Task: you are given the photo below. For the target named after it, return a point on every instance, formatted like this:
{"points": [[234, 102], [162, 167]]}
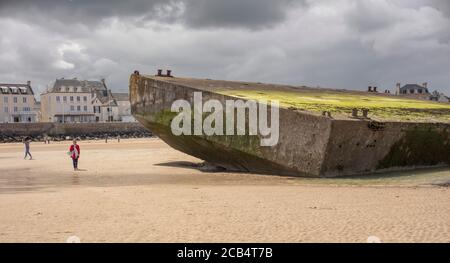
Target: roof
{"points": [[75, 85], [96, 85], [121, 96], [412, 86], [20, 89], [105, 96]]}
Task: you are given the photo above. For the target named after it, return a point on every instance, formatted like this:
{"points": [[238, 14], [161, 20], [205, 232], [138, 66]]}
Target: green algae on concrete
{"points": [[246, 143], [383, 107], [419, 147]]}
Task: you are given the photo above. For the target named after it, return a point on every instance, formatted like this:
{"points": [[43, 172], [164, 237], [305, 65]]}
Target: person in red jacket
{"points": [[74, 152]]}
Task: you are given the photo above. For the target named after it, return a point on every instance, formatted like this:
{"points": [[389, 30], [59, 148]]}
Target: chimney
{"points": [[28, 83], [169, 73], [103, 81], [425, 85], [397, 88], [369, 89], [159, 73]]}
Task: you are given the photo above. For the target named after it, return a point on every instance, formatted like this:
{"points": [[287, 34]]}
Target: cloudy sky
{"points": [[329, 43]]}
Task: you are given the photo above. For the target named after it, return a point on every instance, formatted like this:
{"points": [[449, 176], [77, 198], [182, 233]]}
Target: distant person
{"points": [[26, 141], [106, 139], [118, 138], [74, 152]]}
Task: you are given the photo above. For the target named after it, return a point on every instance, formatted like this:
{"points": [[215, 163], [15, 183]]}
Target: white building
{"points": [[439, 96], [124, 106], [72, 100], [69, 100], [17, 103], [105, 106]]}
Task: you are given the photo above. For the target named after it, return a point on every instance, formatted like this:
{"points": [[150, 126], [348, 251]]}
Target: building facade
{"points": [[124, 107], [414, 91], [17, 103], [105, 106], [421, 92], [439, 97], [69, 100], [73, 100]]}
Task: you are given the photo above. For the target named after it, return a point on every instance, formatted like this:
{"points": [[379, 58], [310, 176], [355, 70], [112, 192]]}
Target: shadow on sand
{"points": [[202, 167]]}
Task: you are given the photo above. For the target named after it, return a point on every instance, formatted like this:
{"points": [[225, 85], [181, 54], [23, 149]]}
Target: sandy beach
{"points": [[141, 190]]}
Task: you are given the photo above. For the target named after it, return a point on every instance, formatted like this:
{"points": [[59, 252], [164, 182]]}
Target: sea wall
{"points": [[10, 132]]}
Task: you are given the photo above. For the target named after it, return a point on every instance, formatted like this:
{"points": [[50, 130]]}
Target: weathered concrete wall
{"points": [[309, 145], [357, 147], [300, 150], [69, 129]]}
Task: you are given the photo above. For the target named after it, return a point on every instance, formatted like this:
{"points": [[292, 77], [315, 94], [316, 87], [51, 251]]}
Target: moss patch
{"points": [[380, 106], [246, 143], [419, 147]]}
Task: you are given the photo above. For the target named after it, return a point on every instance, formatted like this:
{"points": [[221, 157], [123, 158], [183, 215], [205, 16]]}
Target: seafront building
{"points": [[124, 107], [421, 92], [69, 100], [17, 103], [73, 100]]}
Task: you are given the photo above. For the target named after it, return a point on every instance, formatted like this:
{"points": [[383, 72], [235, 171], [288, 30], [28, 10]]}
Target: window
{"points": [[72, 108], [5, 99], [85, 108], [15, 99], [78, 98], [420, 91], [411, 91], [24, 99], [78, 108], [6, 109], [71, 98], [26, 108], [64, 98], [58, 99], [15, 109], [85, 98], [97, 109]]}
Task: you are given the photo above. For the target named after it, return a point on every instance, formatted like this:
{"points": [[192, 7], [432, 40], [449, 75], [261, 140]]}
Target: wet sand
{"points": [[144, 191]]}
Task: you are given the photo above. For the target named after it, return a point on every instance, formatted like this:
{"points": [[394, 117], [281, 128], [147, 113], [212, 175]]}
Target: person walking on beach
{"points": [[74, 152], [26, 141]]}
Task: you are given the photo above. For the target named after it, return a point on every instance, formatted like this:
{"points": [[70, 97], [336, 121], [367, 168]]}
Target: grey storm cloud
{"points": [[329, 43], [195, 13]]}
